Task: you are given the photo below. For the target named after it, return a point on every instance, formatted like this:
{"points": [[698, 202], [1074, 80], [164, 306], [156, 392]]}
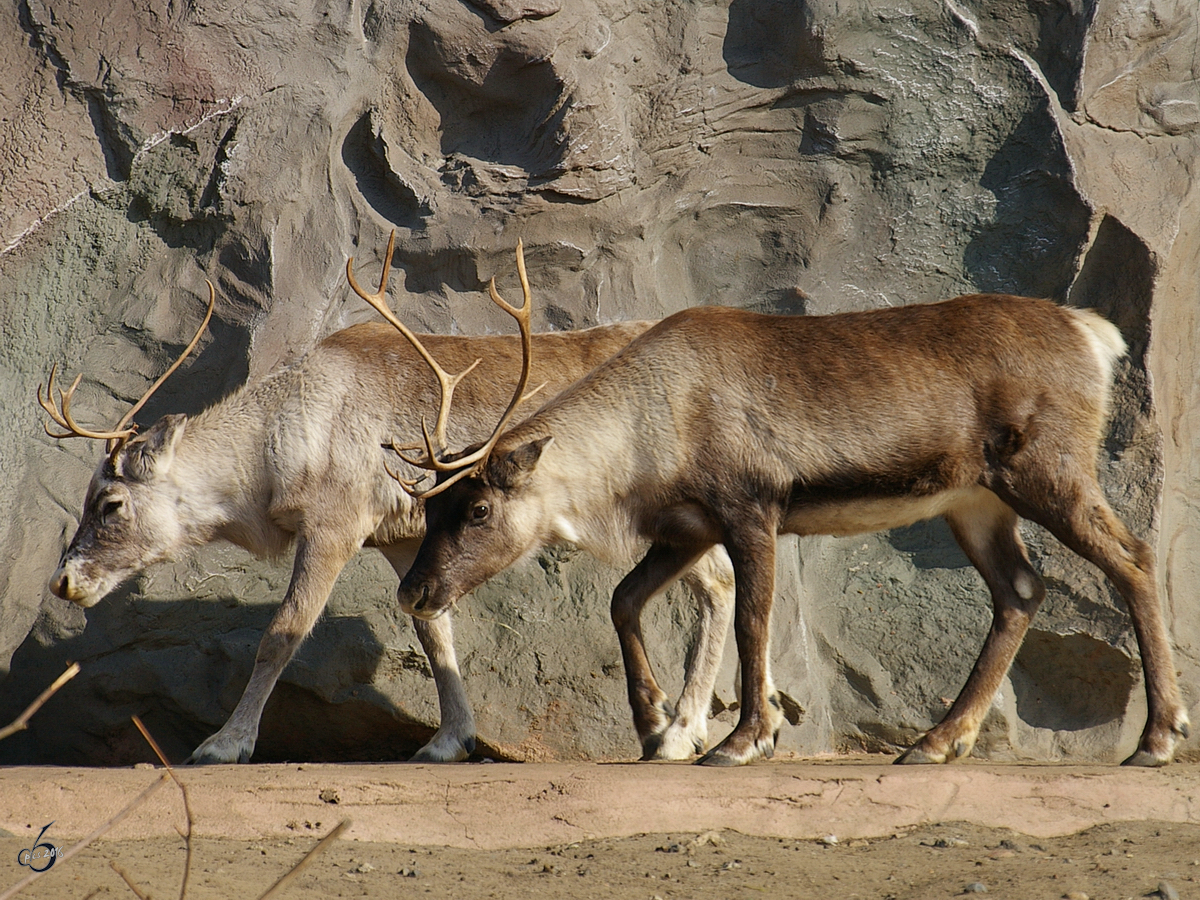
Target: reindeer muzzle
{"points": [[66, 588], [419, 600]]}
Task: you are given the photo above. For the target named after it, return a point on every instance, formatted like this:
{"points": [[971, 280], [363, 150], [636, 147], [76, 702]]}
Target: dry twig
{"points": [[21, 722], [141, 798], [103, 829], [129, 881], [312, 854], [187, 806]]}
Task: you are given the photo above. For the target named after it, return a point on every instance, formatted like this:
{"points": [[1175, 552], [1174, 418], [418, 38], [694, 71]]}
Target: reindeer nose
{"points": [[424, 601], [60, 584], [414, 600]]}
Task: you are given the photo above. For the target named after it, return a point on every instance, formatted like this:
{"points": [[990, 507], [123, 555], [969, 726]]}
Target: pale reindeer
{"points": [[297, 458], [721, 426]]}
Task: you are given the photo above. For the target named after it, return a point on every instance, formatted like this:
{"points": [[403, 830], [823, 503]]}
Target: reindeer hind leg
{"points": [[750, 542], [986, 529], [1075, 512]]}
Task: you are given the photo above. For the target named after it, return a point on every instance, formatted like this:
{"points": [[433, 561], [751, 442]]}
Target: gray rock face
{"points": [[798, 158]]}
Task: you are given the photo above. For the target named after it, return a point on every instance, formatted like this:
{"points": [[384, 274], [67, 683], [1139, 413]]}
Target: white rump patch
{"points": [[1102, 336]]}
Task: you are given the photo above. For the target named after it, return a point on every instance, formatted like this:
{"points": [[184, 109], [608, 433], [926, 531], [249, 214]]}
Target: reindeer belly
{"points": [[864, 514]]}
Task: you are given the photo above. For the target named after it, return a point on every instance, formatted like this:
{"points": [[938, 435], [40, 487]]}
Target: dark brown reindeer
{"points": [[296, 459], [720, 426]]}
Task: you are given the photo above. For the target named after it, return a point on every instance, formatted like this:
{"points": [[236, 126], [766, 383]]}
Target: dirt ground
{"points": [[936, 861], [889, 840]]}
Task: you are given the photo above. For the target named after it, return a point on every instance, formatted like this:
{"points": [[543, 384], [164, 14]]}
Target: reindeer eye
{"points": [[480, 511], [111, 508]]}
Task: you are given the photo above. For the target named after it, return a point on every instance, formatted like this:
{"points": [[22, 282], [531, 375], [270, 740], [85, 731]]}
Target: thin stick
{"points": [[187, 806], [309, 857], [129, 881], [107, 826], [21, 722]]}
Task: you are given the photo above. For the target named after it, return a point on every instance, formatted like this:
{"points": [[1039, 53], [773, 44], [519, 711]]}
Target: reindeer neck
{"points": [[220, 478], [590, 477]]}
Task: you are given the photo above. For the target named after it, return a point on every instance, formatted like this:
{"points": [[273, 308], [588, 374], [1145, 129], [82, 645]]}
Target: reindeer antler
{"points": [[119, 434], [465, 465], [447, 382]]}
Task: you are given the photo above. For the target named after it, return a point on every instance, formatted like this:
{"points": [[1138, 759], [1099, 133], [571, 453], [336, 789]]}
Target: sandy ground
{"points": [[786, 828]]}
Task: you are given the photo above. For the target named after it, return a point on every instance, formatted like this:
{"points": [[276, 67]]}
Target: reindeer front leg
{"points": [[455, 738], [711, 583], [660, 566], [314, 572], [752, 551]]}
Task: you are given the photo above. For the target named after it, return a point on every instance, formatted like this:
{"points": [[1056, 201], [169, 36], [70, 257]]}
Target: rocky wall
{"points": [[793, 157]]}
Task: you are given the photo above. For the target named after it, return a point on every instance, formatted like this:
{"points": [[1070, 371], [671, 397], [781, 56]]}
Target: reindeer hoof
{"points": [[1146, 759], [671, 747], [445, 749], [218, 750], [924, 751], [651, 747], [915, 756], [680, 740], [207, 760], [1157, 746], [725, 754], [714, 758]]}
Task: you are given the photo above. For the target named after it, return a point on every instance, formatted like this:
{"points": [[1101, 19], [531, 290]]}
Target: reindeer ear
{"points": [[512, 469], [152, 452]]}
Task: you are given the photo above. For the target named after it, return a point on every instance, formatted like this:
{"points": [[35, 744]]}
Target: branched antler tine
{"points": [[431, 461], [62, 414], [462, 473], [64, 403], [48, 405], [58, 436], [378, 300], [444, 408], [401, 449], [529, 395], [446, 381], [133, 410], [119, 434], [465, 465], [522, 315], [409, 484]]}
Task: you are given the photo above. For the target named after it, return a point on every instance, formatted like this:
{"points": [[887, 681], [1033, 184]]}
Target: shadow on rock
{"points": [[143, 657]]}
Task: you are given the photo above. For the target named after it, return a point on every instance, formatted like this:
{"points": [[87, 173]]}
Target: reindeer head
{"points": [[130, 517], [470, 482], [478, 526]]}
